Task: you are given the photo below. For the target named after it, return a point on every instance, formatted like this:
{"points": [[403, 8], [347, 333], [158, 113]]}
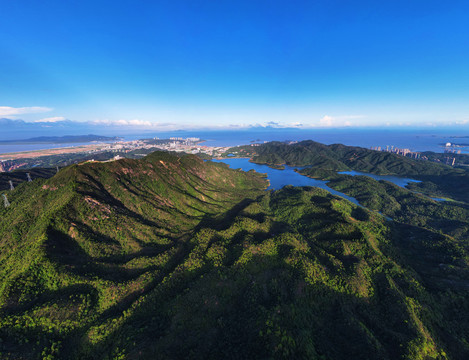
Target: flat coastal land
{"points": [[63, 156], [54, 151]]}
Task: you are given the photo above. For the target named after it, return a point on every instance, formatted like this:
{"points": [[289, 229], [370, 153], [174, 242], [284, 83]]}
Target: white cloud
{"points": [[271, 124], [326, 121], [230, 126], [50, 119], [134, 123], [9, 111], [333, 121], [296, 124]]}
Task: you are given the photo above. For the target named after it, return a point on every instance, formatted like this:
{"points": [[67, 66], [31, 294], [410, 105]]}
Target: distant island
{"points": [[454, 144], [61, 139]]}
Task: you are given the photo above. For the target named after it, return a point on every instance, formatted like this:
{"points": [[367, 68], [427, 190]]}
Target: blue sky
{"points": [[181, 64]]}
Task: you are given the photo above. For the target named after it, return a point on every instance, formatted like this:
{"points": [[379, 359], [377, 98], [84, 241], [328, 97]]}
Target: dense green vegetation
{"points": [[402, 205], [437, 179], [170, 257]]}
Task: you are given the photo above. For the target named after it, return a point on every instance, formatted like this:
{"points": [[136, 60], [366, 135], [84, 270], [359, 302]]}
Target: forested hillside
{"points": [[171, 257], [436, 177]]}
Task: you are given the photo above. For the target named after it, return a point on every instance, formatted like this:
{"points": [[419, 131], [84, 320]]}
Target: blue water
{"points": [[288, 176], [399, 181], [280, 178], [413, 139]]}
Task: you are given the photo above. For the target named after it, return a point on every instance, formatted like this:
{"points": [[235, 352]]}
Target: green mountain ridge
{"points": [[171, 257], [437, 178]]}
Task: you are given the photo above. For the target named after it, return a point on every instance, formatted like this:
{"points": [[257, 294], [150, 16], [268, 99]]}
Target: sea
{"points": [[414, 139]]}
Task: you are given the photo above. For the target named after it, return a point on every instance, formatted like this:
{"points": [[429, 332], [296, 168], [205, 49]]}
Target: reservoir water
{"points": [[288, 176], [280, 178]]}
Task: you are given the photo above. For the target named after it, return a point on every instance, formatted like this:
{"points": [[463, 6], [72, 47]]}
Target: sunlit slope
{"points": [[341, 157], [119, 208], [102, 227], [171, 257]]}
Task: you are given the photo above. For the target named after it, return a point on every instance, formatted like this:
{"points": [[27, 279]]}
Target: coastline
{"points": [[49, 151]]}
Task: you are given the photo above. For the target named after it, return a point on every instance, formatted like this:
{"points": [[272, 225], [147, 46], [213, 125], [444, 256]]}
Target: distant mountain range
{"points": [[61, 139]]}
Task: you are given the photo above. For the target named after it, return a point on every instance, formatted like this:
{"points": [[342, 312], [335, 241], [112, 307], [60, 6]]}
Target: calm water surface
{"points": [[288, 176], [280, 178], [415, 140]]}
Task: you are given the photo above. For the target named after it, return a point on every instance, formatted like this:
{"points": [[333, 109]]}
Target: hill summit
{"points": [[171, 257]]}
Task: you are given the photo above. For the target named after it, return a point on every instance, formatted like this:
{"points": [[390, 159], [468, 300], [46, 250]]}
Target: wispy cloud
{"points": [[134, 122], [270, 124], [296, 124], [50, 119], [145, 124], [11, 111]]}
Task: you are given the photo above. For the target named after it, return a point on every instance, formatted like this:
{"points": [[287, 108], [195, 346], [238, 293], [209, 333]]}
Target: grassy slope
{"points": [[176, 258]]}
